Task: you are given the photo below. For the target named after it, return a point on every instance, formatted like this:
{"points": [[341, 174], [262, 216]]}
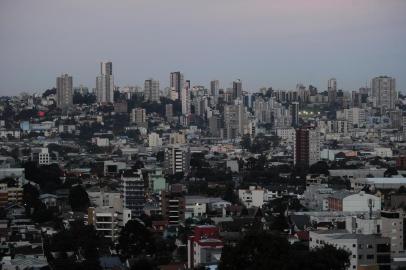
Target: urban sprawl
{"points": [[203, 177]]}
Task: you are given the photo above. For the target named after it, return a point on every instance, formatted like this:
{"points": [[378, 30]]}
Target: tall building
{"points": [[384, 92], [332, 90], [133, 191], [294, 110], [176, 82], [151, 90], [237, 89], [105, 83], [306, 147], [168, 111], [177, 159], [185, 101], [214, 88], [231, 122], [64, 91], [139, 116]]}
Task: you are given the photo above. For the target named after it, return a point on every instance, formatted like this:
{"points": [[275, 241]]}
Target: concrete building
{"points": [[185, 101], [40, 155], [214, 88], [133, 192], [173, 207], [177, 159], [154, 140], [107, 221], [384, 91], [332, 90], [176, 82], [151, 90], [365, 250], [294, 110], [105, 83], [393, 226], [306, 147], [204, 247], [237, 89], [139, 117], [64, 91]]}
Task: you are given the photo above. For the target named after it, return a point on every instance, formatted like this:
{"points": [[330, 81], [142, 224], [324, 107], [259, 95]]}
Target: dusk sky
{"points": [[276, 43]]}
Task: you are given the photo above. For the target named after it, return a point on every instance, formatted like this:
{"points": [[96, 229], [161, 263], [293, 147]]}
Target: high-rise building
{"points": [[151, 90], [294, 110], [237, 89], [176, 82], [214, 88], [332, 90], [64, 91], [384, 92], [105, 83], [231, 122], [133, 191], [306, 147], [177, 159], [185, 101], [139, 117], [168, 111], [187, 84]]}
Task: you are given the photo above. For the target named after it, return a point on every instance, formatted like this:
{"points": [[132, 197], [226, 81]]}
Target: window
{"points": [[359, 257], [370, 256]]}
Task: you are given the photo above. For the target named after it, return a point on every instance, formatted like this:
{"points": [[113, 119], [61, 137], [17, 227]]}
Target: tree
{"points": [[246, 141], [263, 251], [78, 198], [135, 240], [390, 171], [319, 167]]}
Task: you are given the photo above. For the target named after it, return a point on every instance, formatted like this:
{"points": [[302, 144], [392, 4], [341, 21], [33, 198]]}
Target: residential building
{"points": [[133, 192], [105, 83], [306, 147], [64, 91]]}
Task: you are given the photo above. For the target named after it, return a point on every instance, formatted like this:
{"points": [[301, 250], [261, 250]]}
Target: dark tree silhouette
{"points": [[78, 198]]}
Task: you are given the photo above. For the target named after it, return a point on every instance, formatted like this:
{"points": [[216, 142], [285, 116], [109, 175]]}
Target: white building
{"points": [[361, 202], [286, 134], [105, 83], [154, 140], [108, 221]]}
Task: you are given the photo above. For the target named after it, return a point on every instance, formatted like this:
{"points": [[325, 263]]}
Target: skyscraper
{"points": [[384, 92], [237, 89], [105, 83], [306, 147], [332, 90], [64, 91], [294, 110], [214, 88], [185, 101], [176, 82], [151, 90]]}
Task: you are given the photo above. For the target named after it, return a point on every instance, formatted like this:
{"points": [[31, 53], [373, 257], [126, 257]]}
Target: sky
{"points": [[264, 43]]}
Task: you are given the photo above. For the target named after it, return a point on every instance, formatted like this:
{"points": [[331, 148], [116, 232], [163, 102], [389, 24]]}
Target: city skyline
{"points": [[263, 43]]}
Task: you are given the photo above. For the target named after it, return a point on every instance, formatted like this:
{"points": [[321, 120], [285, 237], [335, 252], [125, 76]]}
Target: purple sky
{"points": [[274, 43]]}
